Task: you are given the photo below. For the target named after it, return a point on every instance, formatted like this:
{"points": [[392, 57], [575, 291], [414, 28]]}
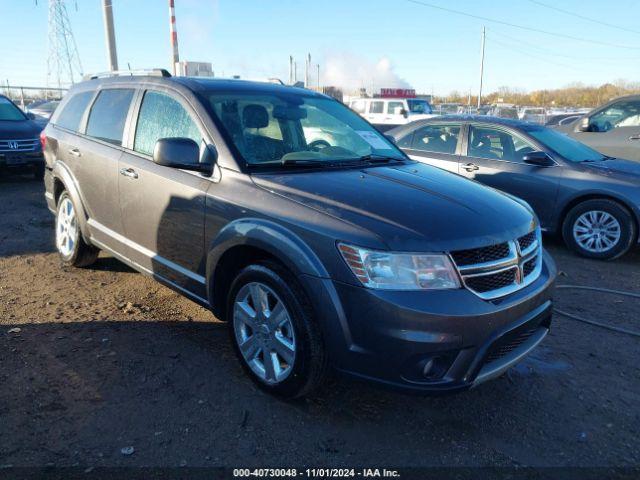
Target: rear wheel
{"points": [[73, 250], [600, 228], [273, 331]]}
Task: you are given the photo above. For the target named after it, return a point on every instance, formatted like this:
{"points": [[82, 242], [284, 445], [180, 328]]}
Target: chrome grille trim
{"points": [[516, 260], [21, 145]]}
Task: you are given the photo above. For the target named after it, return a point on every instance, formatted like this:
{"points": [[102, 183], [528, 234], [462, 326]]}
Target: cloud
{"points": [[351, 72]]}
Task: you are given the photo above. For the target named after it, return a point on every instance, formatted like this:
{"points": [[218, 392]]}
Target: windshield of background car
{"points": [[419, 106], [565, 146], [8, 111], [273, 128]]}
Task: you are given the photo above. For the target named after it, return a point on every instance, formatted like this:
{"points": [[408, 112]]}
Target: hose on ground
{"points": [[593, 322]]}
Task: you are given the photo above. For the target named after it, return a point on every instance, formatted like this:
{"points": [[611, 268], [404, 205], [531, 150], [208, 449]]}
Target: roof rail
{"points": [[153, 72]]}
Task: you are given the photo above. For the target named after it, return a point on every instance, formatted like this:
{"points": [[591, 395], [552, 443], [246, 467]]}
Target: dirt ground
{"points": [[106, 358]]}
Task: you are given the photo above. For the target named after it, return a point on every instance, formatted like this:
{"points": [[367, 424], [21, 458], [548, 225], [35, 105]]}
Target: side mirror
{"points": [[182, 153], [404, 113], [583, 125], [539, 159]]}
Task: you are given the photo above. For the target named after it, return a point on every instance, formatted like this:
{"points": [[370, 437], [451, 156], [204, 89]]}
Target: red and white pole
{"points": [[174, 38]]}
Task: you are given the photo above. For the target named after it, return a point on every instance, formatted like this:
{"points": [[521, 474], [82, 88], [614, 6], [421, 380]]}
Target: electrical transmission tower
{"points": [[63, 61]]}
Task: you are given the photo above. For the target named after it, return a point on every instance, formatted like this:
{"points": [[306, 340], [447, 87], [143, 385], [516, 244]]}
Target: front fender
{"points": [[272, 237]]}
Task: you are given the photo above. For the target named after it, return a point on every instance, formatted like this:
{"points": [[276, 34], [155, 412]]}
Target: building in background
{"points": [[194, 69]]}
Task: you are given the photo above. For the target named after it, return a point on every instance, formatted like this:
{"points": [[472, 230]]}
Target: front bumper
{"points": [[434, 341], [23, 161]]}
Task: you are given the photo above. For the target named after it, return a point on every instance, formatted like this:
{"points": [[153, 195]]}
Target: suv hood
{"points": [[412, 207], [17, 130]]}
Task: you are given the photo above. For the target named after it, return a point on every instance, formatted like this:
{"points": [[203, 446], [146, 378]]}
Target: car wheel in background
{"points": [[600, 229], [72, 248], [273, 331]]}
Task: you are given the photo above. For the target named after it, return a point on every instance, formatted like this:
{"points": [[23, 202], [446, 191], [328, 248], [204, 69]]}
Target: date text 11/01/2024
{"points": [[316, 473]]}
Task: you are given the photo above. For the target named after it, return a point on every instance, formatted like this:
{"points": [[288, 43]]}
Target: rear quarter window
{"points": [[71, 114], [109, 114]]}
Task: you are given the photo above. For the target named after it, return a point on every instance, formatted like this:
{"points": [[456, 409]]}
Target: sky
{"points": [[374, 43]]}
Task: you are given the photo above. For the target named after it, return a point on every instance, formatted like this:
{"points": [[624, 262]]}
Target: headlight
{"points": [[400, 271]]}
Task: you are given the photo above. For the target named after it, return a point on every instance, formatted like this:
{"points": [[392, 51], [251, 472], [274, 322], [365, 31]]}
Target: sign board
{"points": [[398, 92]]}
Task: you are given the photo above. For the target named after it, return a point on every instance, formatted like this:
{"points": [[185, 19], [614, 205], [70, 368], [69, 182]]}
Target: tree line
{"points": [[573, 95]]}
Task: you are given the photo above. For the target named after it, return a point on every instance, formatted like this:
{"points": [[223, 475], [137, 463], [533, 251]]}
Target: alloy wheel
{"points": [[597, 231], [264, 332], [66, 228]]}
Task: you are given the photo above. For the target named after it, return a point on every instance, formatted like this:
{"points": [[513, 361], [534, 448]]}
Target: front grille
{"points": [[492, 281], [505, 345], [500, 269], [527, 240], [529, 266], [481, 255], [23, 145]]}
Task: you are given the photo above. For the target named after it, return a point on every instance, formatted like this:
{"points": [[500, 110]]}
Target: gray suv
{"points": [[291, 218]]}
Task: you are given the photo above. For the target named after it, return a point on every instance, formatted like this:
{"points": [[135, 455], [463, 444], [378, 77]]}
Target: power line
{"points": [[548, 51], [589, 19], [521, 27]]}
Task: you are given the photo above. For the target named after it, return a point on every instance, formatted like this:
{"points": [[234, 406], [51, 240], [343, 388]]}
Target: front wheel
{"points": [[600, 229], [73, 250], [274, 332]]}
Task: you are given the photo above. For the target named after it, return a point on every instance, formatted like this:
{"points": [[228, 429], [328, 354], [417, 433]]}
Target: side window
{"points": [[358, 106], [392, 106], [620, 114], [71, 115], [376, 107], [436, 138], [406, 141], [162, 117], [496, 144], [109, 114]]}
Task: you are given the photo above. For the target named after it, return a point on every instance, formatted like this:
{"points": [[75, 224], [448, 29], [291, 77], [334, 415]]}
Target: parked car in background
{"points": [[533, 115], [387, 113], [503, 111], [447, 108], [612, 129], [350, 255], [43, 111], [555, 119], [19, 141], [591, 199]]}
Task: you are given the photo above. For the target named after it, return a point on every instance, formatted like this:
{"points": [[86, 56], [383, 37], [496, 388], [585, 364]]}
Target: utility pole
{"points": [[484, 34], [175, 58], [318, 74], [295, 72], [110, 37], [307, 64], [291, 81]]}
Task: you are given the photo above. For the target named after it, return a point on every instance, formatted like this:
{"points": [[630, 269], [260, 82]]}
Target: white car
{"points": [[392, 111]]}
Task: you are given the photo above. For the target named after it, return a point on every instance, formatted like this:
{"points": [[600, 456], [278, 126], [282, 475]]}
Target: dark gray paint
{"points": [[176, 226]]}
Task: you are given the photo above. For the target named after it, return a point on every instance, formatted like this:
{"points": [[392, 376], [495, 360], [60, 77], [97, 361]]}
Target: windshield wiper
{"points": [[298, 162], [372, 158]]}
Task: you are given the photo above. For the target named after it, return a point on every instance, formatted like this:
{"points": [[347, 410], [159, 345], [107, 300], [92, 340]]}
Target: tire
{"points": [[38, 172], [73, 250], [308, 369], [612, 241]]}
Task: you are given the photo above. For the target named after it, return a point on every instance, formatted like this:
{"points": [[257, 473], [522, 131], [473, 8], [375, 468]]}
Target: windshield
{"points": [[419, 106], [567, 147], [8, 111], [281, 128]]}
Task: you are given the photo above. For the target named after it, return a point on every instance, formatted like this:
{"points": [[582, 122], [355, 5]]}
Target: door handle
{"points": [[75, 152], [634, 137], [471, 167], [129, 172]]}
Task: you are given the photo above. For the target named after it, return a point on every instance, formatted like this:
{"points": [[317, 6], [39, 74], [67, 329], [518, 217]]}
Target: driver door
{"points": [[494, 158]]}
